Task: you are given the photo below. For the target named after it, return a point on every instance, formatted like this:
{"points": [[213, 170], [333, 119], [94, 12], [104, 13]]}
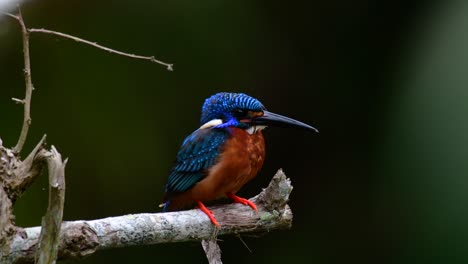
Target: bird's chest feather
{"points": [[240, 160]]}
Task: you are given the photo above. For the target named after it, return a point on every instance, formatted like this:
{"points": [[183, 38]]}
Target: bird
{"points": [[223, 154]]}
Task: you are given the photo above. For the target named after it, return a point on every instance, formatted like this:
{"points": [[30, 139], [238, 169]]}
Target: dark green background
{"points": [[385, 181]]}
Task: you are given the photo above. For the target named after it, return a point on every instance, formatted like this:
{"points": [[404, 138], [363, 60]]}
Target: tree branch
{"points": [[212, 251], [10, 15], [18, 175], [83, 238], [52, 221], [29, 85], [94, 44], [169, 66]]}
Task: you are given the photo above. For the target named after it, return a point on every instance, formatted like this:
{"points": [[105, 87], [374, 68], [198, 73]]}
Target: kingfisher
{"points": [[223, 154]]}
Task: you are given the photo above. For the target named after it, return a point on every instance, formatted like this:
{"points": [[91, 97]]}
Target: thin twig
{"points": [[28, 81], [18, 101], [27, 68], [245, 244], [94, 44], [10, 15]]}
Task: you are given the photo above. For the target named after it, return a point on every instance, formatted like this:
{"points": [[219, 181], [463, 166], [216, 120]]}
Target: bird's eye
{"points": [[241, 112]]}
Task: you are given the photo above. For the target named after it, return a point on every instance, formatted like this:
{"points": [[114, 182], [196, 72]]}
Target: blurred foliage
{"points": [[385, 181]]}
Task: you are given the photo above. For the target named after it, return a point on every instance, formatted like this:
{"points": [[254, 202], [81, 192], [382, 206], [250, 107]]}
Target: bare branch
{"points": [[52, 221], [83, 238], [19, 175], [28, 81], [212, 251], [10, 15], [94, 44], [27, 68], [15, 177], [18, 101]]}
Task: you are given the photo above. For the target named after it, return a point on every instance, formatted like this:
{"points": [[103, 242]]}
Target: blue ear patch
{"points": [[197, 154]]}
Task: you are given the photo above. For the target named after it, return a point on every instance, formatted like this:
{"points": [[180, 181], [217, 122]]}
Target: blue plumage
{"points": [[198, 152], [225, 105], [229, 138]]}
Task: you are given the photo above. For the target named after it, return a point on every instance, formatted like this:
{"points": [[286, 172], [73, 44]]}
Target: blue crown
{"points": [[224, 105]]}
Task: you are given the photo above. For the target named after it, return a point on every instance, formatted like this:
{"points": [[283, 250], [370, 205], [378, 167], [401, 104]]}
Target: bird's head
{"points": [[242, 111]]}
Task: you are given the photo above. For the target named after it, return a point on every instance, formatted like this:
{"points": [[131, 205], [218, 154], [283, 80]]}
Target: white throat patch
{"points": [[251, 130], [212, 123]]}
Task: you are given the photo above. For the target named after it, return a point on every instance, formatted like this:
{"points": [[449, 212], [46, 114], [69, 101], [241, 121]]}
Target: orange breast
{"points": [[240, 160]]}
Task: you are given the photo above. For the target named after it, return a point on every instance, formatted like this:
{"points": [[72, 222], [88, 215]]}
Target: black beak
{"points": [[272, 119]]}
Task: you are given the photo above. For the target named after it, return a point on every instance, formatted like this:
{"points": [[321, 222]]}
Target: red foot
{"points": [[210, 215], [241, 200]]}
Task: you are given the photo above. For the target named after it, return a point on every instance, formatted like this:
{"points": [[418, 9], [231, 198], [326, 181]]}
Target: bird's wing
{"points": [[197, 153]]}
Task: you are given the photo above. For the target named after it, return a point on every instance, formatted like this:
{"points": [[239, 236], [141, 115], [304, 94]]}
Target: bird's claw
{"points": [[208, 213], [243, 201]]}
